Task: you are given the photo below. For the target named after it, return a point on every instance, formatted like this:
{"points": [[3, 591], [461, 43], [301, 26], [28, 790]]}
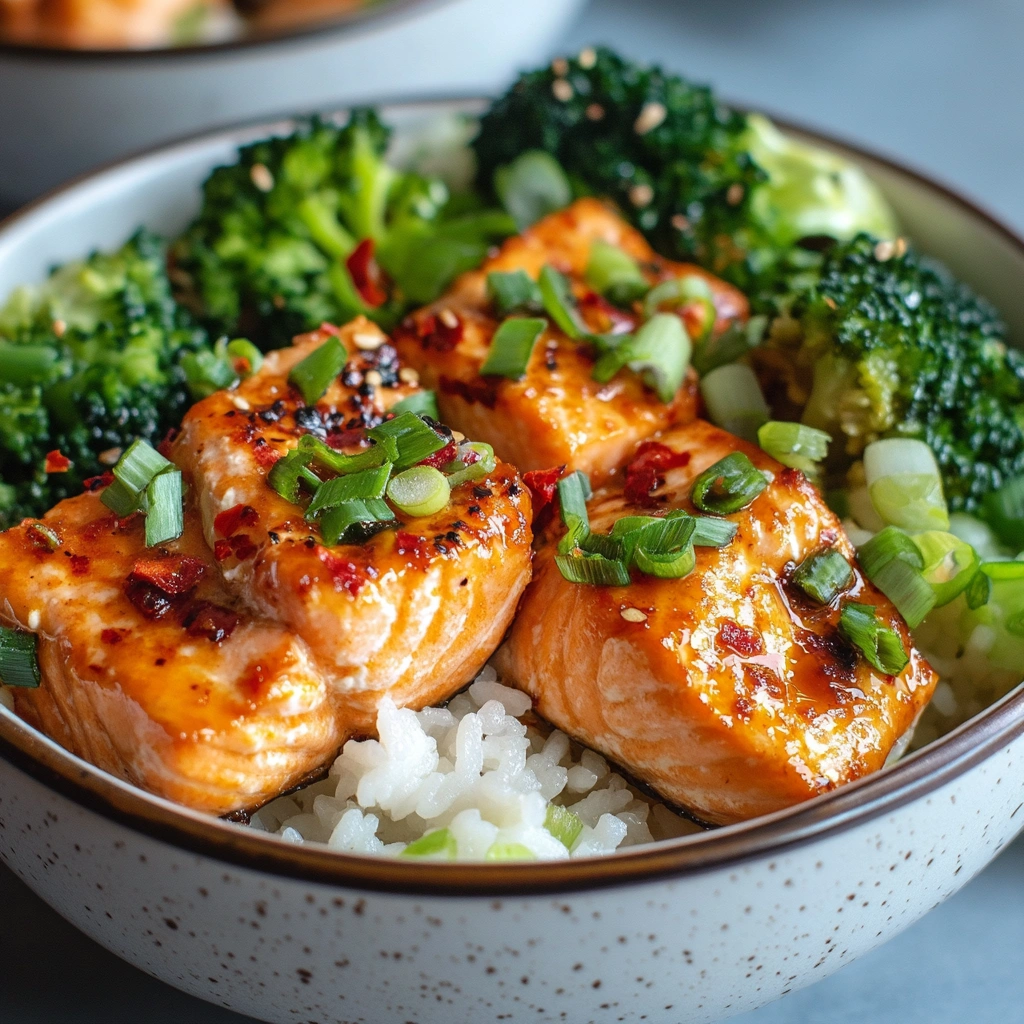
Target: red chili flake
{"points": [[646, 470], [412, 546], [543, 483], [441, 332], [341, 439], [79, 565], [228, 522], [57, 463], [265, 455], [97, 483], [742, 641], [346, 575], [222, 550], [149, 600], [210, 620], [113, 636], [173, 574], [485, 391], [601, 316], [242, 547], [442, 457], [366, 274]]}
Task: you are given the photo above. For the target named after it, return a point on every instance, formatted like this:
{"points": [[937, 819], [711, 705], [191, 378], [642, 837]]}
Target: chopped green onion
{"points": [[26, 364], [513, 292], [666, 534], [563, 824], [532, 186], [595, 570], [420, 491], [1004, 511], [712, 533], [907, 588], [131, 491], [734, 400], [288, 474], [19, 660], [165, 518], [355, 521], [121, 500], [559, 304], [1003, 570], [615, 274], [793, 444], [949, 564], [423, 403], [459, 472], [314, 374], [905, 484], [684, 291], [573, 492], [880, 645], [242, 348], [595, 544], [207, 372], [370, 483], [886, 545], [729, 485], [824, 575], [385, 450], [732, 344], [670, 565], [440, 845], [659, 352], [978, 591], [509, 851], [512, 346], [415, 440], [139, 466]]}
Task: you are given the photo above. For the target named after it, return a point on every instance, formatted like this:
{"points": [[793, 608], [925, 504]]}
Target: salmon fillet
{"points": [[414, 612], [732, 695], [557, 414], [137, 682]]}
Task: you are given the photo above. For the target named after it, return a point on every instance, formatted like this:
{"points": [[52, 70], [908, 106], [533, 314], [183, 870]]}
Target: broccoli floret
{"points": [[267, 255], [89, 361], [704, 182], [878, 340]]}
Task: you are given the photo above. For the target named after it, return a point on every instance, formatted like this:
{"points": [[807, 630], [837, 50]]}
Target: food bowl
{"points": [[64, 111], [693, 929]]}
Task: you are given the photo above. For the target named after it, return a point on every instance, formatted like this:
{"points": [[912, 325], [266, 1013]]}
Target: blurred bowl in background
{"points": [[65, 111]]}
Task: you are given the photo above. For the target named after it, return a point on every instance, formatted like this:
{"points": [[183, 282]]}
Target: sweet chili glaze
{"points": [[557, 414], [728, 690], [152, 671], [413, 612]]}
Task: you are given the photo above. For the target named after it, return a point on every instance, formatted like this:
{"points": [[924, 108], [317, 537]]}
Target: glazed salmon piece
{"points": [[728, 690], [413, 612], [183, 694], [557, 414]]}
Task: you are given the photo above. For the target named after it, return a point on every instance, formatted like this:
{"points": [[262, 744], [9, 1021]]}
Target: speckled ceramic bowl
{"points": [[690, 930]]}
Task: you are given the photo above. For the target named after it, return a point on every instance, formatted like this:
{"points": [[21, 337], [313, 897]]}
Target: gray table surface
{"points": [[939, 83]]}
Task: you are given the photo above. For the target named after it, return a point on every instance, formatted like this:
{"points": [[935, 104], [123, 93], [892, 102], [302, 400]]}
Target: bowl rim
{"points": [[918, 775], [364, 19]]}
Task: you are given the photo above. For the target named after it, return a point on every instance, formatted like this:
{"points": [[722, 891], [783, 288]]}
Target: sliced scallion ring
{"points": [[563, 824], [438, 845], [729, 485], [905, 484], [573, 493], [949, 564], [414, 439], [670, 565], [886, 545], [355, 521], [907, 588], [712, 533], [420, 491], [978, 591], [684, 291], [824, 575], [422, 403], [512, 346], [242, 348], [732, 344], [595, 570], [313, 375], [19, 659], [165, 517], [659, 352], [513, 292], [370, 483], [794, 444], [460, 472], [734, 400], [323, 455], [139, 466], [613, 273], [559, 304], [880, 645], [288, 475]]}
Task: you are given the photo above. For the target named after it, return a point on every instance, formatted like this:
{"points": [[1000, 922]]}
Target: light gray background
{"points": [[938, 83]]}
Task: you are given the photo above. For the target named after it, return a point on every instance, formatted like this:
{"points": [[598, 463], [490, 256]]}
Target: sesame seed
{"points": [[368, 342], [240, 403], [59, 327], [560, 66], [407, 375], [734, 194], [587, 58], [261, 177], [651, 115], [458, 435], [633, 615], [373, 378], [641, 195], [34, 618], [561, 90], [110, 456], [680, 223], [595, 112], [448, 318]]}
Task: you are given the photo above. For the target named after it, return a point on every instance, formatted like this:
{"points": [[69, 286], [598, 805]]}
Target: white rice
{"points": [[475, 769]]}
